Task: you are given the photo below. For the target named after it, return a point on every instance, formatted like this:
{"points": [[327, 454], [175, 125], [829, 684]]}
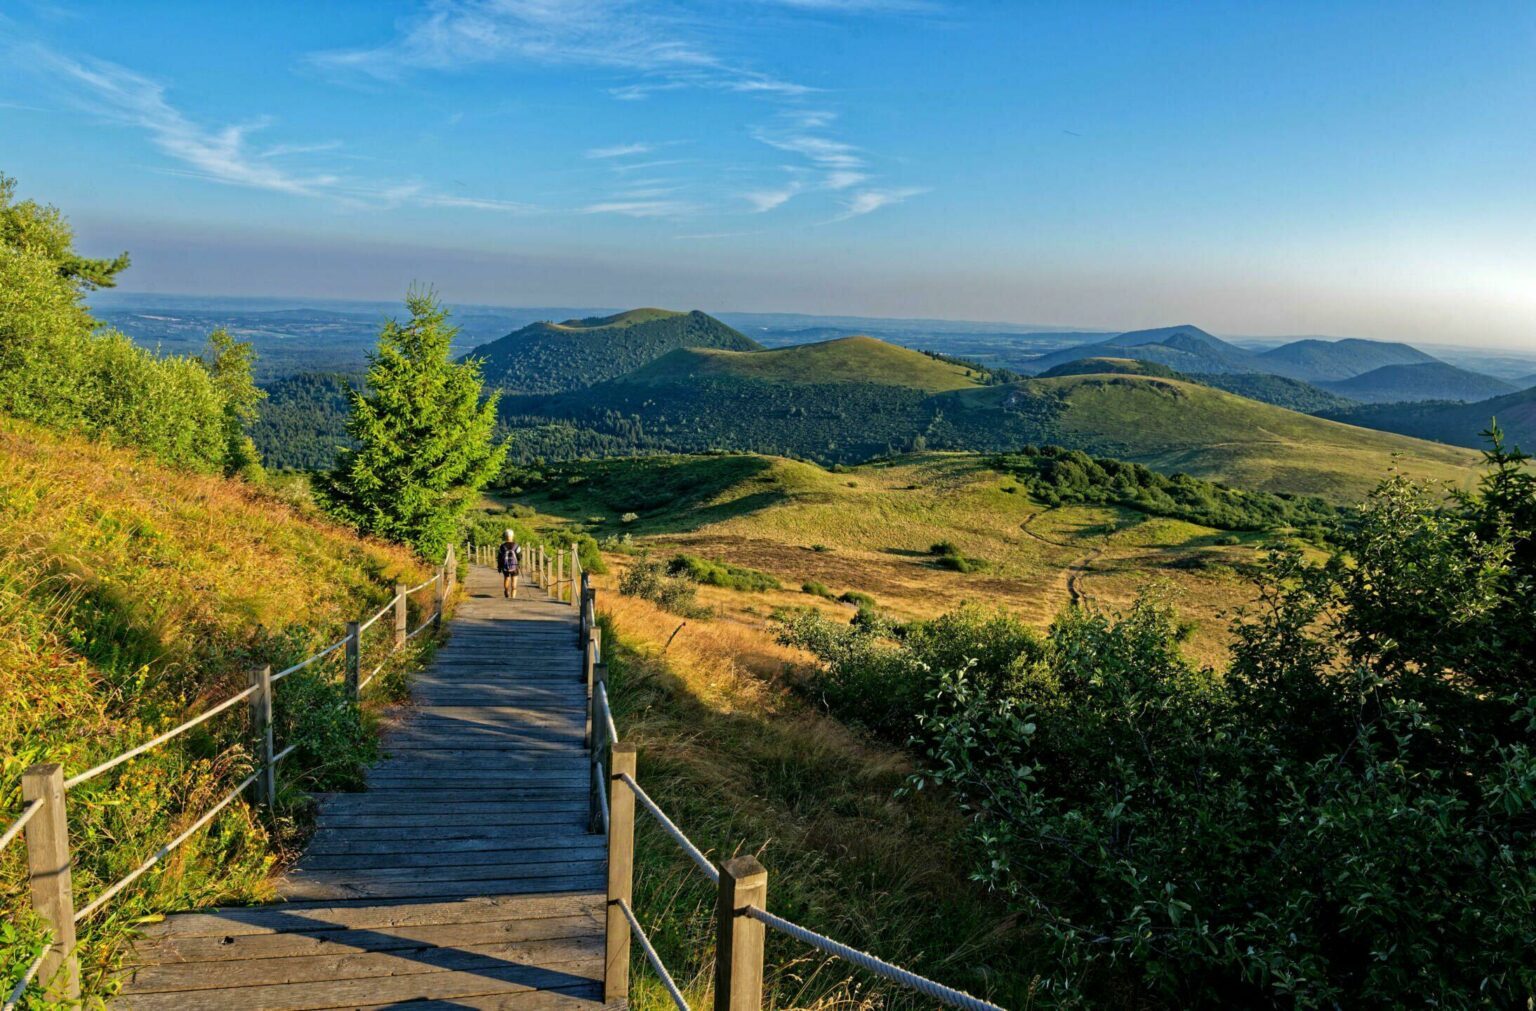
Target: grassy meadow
{"points": [[872, 529], [135, 596]]}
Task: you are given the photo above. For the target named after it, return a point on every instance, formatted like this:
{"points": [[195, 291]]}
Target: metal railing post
{"points": [[48, 873], [402, 621], [621, 872], [739, 938], [354, 657], [261, 726]]}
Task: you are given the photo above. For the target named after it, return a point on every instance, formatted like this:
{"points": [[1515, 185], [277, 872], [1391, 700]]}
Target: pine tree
{"points": [[423, 434], [228, 361]]}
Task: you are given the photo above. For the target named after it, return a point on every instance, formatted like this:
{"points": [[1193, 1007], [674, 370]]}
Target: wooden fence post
{"points": [[559, 573], [439, 597], [739, 938], [261, 726], [402, 620], [597, 740], [621, 872], [575, 571], [354, 657], [48, 871]]}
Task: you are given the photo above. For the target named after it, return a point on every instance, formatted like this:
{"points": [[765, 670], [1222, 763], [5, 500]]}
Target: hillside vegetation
{"points": [[1424, 381], [850, 400], [1455, 423], [302, 424], [552, 357], [134, 596]]}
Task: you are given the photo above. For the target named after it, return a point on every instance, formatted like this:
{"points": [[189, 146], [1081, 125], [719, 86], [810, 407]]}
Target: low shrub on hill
{"points": [[648, 578], [1345, 816], [1055, 476], [717, 573], [948, 556]]}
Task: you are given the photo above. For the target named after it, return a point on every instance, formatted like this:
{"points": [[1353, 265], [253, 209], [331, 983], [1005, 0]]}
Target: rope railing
{"points": [[31, 808], [306, 662], [672, 830], [14, 997], [155, 742], [741, 883], [50, 846], [653, 958], [878, 966], [166, 850]]}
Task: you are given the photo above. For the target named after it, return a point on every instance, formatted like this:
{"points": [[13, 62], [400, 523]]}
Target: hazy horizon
{"points": [[1309, 169]]}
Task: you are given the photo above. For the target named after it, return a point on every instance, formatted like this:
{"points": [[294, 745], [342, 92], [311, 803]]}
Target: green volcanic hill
{"points": [[849, 400], [1110, 366], [1456, 423], [578, 353], [846, 360], [1424, 381], [1322, 360]]}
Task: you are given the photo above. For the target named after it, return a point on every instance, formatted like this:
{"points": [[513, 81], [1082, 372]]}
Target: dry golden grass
{"points": [[131, 597], [744, 765]]}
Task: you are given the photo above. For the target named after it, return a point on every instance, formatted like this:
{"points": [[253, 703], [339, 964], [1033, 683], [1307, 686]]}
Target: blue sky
{"points": [[1351, 168]]}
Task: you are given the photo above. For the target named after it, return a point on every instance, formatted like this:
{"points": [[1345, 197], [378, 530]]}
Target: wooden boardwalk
{"points": [[463, 877]]}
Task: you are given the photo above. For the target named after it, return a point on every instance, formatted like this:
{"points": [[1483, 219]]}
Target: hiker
{"points": [[507, 557]]}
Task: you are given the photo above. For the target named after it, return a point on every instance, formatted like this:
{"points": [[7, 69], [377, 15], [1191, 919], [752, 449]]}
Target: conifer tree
{"points": [[423, 434], [229, 361]]}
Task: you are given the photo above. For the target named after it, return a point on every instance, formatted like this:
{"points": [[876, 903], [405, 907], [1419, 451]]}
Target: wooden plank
{"points": [[424, 836], [326, 845], [373, 990], [340, 964], [364, 889], [279, 917], [243, 947], [507, 818], [491, 854], [382, 869]]}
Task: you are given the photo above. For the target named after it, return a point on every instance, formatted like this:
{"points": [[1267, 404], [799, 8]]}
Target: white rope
{"points": [[364, 682], [863, 959], [602, 700], [305, 663], [163, 851], [652, 957], [422, 586], [671, 829], [33, 806], [113, 763], [602, 794], [424, 625], [21, 985], [284, 753], [382, 612]]}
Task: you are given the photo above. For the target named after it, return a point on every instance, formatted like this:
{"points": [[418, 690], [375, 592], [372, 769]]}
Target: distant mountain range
{"points": [[853, 398], [1431, 380], [1189, 349]]}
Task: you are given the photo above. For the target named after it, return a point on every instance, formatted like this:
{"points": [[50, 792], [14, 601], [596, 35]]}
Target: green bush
{"points": [[857, 598], [58, 371], [649, 579], [1343, 816], [816, 589], [717, 573]]}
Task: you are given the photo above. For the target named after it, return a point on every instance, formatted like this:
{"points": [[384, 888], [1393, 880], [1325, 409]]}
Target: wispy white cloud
{"points": [[614, 34], [763, 201], [871, 200], [642, 208], [620, 150], [222, 154]]}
